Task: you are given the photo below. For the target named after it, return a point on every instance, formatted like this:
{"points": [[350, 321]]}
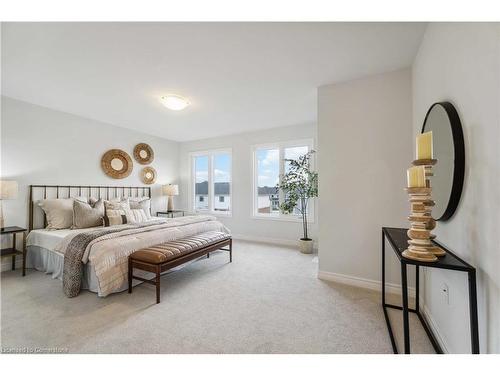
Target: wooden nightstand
{"points": [[12, 251]]}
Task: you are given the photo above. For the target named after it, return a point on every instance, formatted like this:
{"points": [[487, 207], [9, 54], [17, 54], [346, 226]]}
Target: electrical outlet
{"points": [[446, 293]]}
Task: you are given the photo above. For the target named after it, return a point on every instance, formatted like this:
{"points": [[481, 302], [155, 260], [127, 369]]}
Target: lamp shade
{"points": [[8, 189], [170, 190]]}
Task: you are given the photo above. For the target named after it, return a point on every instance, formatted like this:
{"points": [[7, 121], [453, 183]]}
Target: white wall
{"points": [[364, 150], [460, 63], [43, 146], [241, 222]]}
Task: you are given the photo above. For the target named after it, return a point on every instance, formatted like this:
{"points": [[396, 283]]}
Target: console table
{"points": [[398, 239]]}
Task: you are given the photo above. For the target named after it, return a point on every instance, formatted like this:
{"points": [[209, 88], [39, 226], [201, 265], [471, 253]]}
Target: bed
{"points": [[42, 256], [102, 252]]}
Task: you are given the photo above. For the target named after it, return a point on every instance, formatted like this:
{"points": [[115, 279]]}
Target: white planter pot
{"points": [[306, 247]]}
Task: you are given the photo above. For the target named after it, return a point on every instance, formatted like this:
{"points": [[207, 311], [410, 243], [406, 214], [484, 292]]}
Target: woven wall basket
{"points": [[143, 153], [116, 163], [148, 175]]}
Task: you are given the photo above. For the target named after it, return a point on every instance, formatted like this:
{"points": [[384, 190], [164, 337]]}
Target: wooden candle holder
{"points": [[420, 246]]}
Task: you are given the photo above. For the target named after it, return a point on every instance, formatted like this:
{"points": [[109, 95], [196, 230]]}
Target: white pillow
{"points": [[81, 198], [59, 212], [138, 215], [143, 203]]}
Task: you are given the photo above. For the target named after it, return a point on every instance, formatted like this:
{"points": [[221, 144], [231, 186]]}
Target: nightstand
{"points": [[170, 213], [12, 251]]}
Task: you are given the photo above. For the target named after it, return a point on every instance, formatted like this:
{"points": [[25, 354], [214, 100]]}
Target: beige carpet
{"points": [[267, 301]]}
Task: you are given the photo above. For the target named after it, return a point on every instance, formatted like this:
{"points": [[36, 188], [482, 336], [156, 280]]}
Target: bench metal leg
{"points": [[230, 250], [208, 255], [158, 284]]}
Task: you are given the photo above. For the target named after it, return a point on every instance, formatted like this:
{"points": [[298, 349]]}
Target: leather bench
{"points": [[162, 257]]}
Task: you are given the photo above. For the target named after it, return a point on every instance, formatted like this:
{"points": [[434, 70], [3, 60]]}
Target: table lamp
{"points": [[8, 190], [170, 190]]}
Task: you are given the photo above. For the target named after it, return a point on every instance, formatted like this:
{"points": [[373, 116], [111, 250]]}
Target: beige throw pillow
{"points": [[86, 215], [59, 212], [115, 217], [124, 209]]}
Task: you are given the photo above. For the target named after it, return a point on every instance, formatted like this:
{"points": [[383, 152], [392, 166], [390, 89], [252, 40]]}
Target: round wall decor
{"points": [[116, 163], [148, 175], [449, 149], [143, 153]]}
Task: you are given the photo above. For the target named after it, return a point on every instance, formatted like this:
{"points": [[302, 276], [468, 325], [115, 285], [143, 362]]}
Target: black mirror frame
{"points": [[459, 160]]}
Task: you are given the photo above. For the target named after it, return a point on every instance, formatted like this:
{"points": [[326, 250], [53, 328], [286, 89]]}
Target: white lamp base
{"points": [[2, 222], [170, 204]]}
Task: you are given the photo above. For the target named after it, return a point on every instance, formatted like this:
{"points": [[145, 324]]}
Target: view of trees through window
{"points": [[270, 163]]}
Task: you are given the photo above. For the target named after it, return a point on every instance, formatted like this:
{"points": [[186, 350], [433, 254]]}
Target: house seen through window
{"points": [[212, 181]]}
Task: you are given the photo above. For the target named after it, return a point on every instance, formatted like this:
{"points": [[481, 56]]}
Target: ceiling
{"points": [[238, 76]]}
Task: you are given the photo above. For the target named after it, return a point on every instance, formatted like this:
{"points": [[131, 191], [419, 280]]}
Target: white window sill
{"points": [[293, 219], [214, 213]]}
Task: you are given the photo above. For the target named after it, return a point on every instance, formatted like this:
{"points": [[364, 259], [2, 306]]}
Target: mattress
{"points": [[49, 239]]}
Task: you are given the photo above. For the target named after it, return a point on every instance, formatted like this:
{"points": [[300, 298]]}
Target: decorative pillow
{"points": [[116, 204], [82, 199], [138, 215], [117, 217], [59, 212], [86, 215], [118, 208], [144, 204]]}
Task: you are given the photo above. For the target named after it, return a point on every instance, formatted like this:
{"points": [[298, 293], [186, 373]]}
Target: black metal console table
{"points": [[398, 238]]}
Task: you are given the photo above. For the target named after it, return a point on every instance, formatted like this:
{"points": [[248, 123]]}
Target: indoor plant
{"points": [[299, 184]]}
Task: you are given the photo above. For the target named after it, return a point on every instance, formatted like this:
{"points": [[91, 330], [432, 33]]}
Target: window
{"points": [[201, 182], [211, 181], [269, 164]]}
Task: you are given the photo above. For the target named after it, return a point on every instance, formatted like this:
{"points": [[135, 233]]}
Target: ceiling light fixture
{"points": [[174, 102]]}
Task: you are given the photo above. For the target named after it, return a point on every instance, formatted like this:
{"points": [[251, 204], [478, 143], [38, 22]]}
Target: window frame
{"points": [[281, 146], [211, 197]]}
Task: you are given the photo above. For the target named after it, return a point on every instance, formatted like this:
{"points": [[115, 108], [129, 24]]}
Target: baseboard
{"points": [[363, 283], [269, 240], [434, 327]]}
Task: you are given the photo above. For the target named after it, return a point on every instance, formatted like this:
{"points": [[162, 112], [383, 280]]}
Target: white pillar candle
{"points": [[424, 146], [416, 176]]}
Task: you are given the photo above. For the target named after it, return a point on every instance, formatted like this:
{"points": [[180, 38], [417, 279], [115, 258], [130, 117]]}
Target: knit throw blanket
{"points": [[73, 265]]}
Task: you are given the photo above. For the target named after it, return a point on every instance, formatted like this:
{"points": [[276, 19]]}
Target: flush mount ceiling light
{"points": [[174, 102]]}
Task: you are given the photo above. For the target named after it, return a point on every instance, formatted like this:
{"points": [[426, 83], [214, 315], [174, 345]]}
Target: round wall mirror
{"points": [[116, 163], [143, 153], [448, 146], [148, 175]]}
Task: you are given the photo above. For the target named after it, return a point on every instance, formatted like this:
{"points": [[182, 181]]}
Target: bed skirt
{"points": [[52, 262]]}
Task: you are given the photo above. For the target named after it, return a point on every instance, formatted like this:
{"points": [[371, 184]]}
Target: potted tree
{"points": [[299, 184]]}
